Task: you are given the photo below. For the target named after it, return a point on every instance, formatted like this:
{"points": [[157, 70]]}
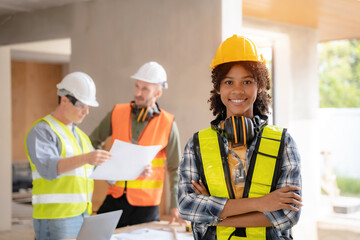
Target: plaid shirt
{"points": [[203, 211]]}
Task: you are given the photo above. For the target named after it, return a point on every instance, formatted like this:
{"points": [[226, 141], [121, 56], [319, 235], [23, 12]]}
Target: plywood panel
{"points": [[34, 95]]}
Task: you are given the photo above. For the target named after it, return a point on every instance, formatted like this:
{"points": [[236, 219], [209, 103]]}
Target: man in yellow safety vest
{"points": [[62, 158]]}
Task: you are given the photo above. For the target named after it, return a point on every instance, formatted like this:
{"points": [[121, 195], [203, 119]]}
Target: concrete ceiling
{"points": [[335, 19], [15, 6]]}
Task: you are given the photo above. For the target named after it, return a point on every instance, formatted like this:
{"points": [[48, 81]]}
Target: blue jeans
{"points": [[56, 229]]}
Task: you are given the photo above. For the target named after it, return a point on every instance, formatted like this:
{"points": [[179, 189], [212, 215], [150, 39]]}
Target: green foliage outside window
{"points": [[348, 186], [339, 74]]}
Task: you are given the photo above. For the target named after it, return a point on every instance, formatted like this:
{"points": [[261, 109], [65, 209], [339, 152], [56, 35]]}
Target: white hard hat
{"points": [[79, 85], [152, 72]]}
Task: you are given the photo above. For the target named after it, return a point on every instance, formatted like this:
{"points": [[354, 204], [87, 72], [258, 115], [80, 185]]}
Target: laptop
{"points": [[99, 227]]}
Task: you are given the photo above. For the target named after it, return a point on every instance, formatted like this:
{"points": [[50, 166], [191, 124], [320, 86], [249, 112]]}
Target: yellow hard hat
{"points": [[236, 49]]}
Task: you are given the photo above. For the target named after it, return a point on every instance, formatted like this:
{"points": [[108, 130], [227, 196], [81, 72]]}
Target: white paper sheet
{"points": [[127, 163]]}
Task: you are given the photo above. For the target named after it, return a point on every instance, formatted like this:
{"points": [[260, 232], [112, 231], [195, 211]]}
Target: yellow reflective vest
{"points": [[70, 193], [263, 173]]}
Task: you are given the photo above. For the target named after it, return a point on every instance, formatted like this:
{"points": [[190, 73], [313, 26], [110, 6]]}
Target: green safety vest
{"points": [[261, 179], [70, 193]]}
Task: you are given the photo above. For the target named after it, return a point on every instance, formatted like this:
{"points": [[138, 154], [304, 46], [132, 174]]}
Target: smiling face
{"points": [[238, 91]]}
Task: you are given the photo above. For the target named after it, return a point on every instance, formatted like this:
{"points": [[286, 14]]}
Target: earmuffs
{"points": [[240, 130], [142, 114]]}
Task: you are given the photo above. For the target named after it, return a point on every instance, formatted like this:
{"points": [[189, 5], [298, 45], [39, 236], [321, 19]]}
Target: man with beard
{"points": [[144, 123]]}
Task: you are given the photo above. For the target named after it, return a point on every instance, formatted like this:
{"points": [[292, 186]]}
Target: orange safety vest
{"points": [[144, 191]]}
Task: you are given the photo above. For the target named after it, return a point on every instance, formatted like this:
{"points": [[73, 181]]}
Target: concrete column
{"points": [[296, 103], [303, 125], [5, 139]]}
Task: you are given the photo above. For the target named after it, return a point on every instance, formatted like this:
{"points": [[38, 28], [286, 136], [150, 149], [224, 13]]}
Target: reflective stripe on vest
{"points": [[261, 179], [144, 191], [57, 198]]}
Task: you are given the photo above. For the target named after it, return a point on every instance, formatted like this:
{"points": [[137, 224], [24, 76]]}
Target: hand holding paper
{"points": [[127, 163], [147, 171]]}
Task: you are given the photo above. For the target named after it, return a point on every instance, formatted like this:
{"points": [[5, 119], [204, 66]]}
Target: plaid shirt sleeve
{"points": [[290, 175], [193, 207]]}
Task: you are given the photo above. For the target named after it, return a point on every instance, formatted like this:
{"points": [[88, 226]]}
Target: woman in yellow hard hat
{"points": [[240, 177]]}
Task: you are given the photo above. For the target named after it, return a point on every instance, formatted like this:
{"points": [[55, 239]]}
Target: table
{"points": [[157, 225]]}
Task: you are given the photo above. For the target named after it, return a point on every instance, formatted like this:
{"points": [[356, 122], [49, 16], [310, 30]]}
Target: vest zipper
{"points": [[125, 187], [228, 180], [224, 160]]}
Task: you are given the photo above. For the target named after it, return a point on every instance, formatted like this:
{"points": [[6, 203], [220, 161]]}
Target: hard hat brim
{"points": [[92, 103], [147, 80]]}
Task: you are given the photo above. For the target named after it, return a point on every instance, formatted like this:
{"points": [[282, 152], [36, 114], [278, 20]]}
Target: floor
{"points": [[339, 219], [333, 227], [22, 227]]}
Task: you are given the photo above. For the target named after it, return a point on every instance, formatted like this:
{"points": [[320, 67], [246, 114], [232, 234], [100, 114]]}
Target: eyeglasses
{"points": [[79, 105]]}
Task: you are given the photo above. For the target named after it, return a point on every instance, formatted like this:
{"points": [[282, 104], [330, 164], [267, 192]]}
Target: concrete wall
{"points": [[111, 39], [296, 104], [181, 38], [5, 142]]}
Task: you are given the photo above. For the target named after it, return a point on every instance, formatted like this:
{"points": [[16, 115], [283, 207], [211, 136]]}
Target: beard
{"points": [[142, 103]]}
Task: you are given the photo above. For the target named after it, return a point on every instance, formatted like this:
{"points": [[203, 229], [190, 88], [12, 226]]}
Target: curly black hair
{"points": [[261, 75]]}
